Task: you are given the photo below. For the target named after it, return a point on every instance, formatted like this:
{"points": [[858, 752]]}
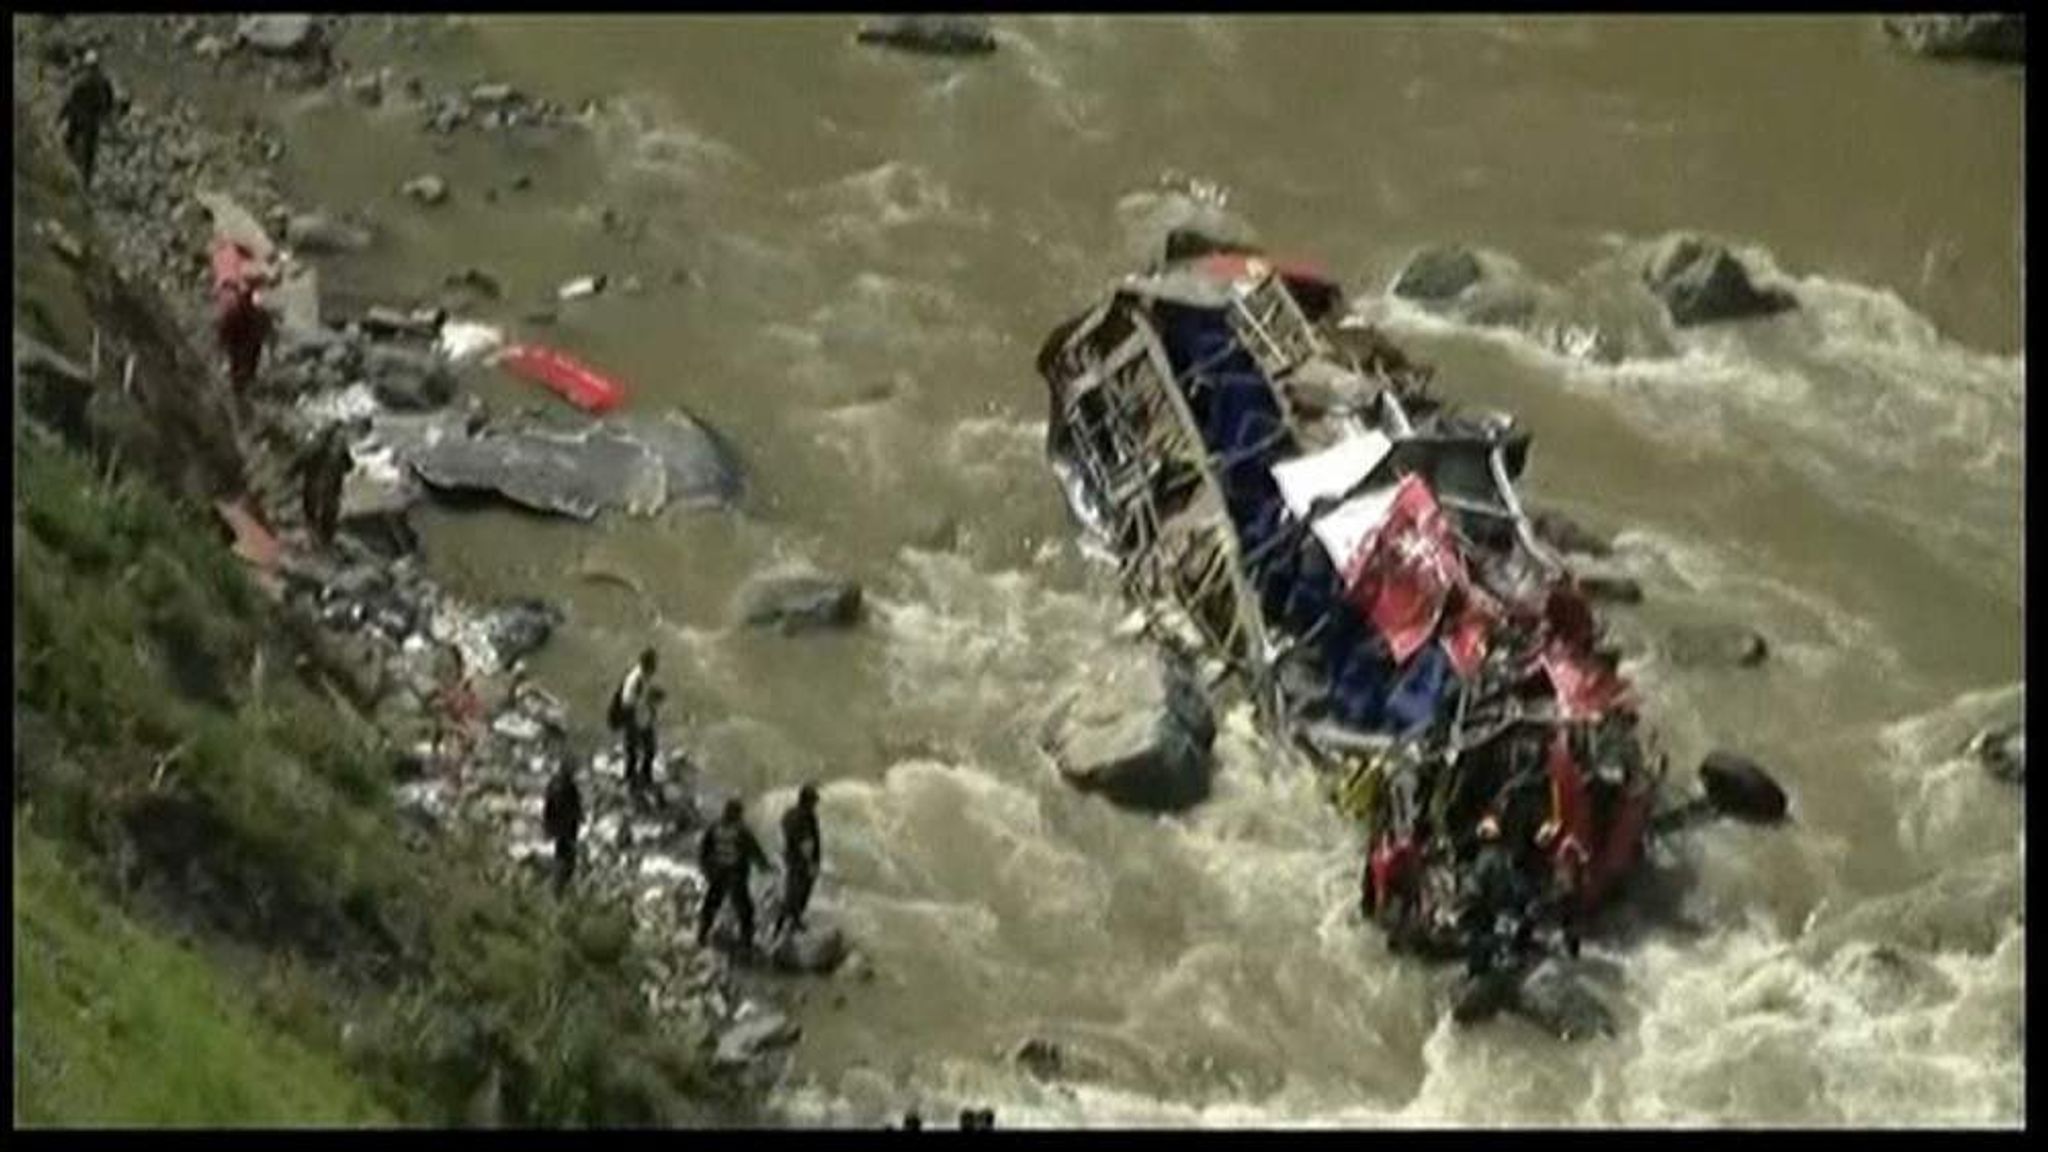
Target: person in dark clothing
{"points": [[801, 854], [562, 817], [86, 108], [325, 467], [728, 855], [241, 323], [1495, 909], [633, 712]]}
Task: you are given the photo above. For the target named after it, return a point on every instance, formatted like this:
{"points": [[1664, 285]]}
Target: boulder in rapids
{"points": [[817, 949], [1138, 730], [1475, 286], [1738, 786], [2002, 751], [703, 471], [1702, 282], [934, 35], [799, 601], [756, 1036], [1715, 645], [279, 34], [1556, 998], [2000, 37], [318, 232], [577, 474]]}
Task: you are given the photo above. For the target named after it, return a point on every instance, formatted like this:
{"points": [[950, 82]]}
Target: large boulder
{"points": [[1715, 646], [1138, 730], [817, 949], [405, 379], [279, 34], [1702, 282], [1993, 36], [579, 474], [703, 471], [799, 601], [520, 628], [756, 1036], [1438, 274], [318, 232], [931, 34], [2003, 752], [1556, 998], [1739, 787]]}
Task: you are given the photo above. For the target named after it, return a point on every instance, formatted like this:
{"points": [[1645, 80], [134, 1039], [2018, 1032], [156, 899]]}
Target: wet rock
{"points": [[930, 34], [429, 189], [1472, 285], [1611, 589], [817, 949], [1701, 282], [1715, 646], [1438, 274], [582, 286], [1039, 1057], [756, 1036], [1137, 730], [366, 87], [519, 629], [2002, 751], [1557, 999], [406, 380], [1568, 535], [279, 35], [2000, 37], [493, 95], [317, 232], [478, 281], [796, 602], [1739, 787], [578, 474]]}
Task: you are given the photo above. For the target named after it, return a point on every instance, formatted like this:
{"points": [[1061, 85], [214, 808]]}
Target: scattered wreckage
{"points": [[1283, 495]]}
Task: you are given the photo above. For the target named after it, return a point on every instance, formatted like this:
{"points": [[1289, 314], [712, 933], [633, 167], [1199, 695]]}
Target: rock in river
{"points": [[755, 1036], [1702, 282], [574, 473], [931, 34], [2003, 752], [279, 34], [318, 232], [799, 601], [1995, 36], [429, 189], [820, 948], [1138, 730], [1715, 645]]}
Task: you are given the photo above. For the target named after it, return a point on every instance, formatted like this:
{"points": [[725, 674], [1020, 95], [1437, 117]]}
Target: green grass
{"points": [[184, 787], [116, 1024]]}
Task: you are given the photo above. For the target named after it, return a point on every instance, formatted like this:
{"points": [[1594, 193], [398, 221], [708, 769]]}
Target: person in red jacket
{"points": [[239, 319]]}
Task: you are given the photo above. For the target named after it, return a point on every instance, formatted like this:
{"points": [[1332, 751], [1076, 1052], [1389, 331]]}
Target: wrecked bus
{"points": [[1282, 493]]}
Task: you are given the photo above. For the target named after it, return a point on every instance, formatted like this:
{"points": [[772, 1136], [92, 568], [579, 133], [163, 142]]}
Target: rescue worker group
{"points": [[728, 852]]}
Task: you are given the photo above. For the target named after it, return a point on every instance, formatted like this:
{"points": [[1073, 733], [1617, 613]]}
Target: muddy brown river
{"points": [[848, 258]]}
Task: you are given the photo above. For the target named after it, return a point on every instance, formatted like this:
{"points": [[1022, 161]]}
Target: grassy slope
{"points": [[180, 769], [152, 1033]]}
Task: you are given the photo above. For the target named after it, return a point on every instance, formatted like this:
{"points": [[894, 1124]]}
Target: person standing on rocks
{"points": [[562, 819], [240, 322], [728, 855], [325, 467], [801, 854], [632, 709], [86, 108]]}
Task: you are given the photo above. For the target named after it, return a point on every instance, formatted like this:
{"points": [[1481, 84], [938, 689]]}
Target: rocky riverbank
{"points": [[168, 178]]}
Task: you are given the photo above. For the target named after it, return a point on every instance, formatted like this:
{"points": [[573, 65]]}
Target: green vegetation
{"points": [[240, 806], [151, 1034]]}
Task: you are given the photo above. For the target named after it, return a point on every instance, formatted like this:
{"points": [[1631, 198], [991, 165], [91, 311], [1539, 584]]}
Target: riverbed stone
{"points": [[279, 34], [1135, 728], [1715, 646], [931, 34], [1438, 273], [1999, 37], [817, 949], [1557, 999], [318, 232], [1701, 282], [428, 189], [799, 601]]}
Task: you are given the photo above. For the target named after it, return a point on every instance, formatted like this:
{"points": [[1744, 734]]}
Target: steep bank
{"points": [[196, 782]]}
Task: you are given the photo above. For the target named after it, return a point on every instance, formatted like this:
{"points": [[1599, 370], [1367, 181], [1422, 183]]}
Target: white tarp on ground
{"points": [[1331, 473]]}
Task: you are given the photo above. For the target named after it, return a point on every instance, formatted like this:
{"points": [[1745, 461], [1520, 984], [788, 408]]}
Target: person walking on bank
{"points": [[801, 854], [325, 467], [632, 710], [728, 855], [86, 108], [562, 817]]}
